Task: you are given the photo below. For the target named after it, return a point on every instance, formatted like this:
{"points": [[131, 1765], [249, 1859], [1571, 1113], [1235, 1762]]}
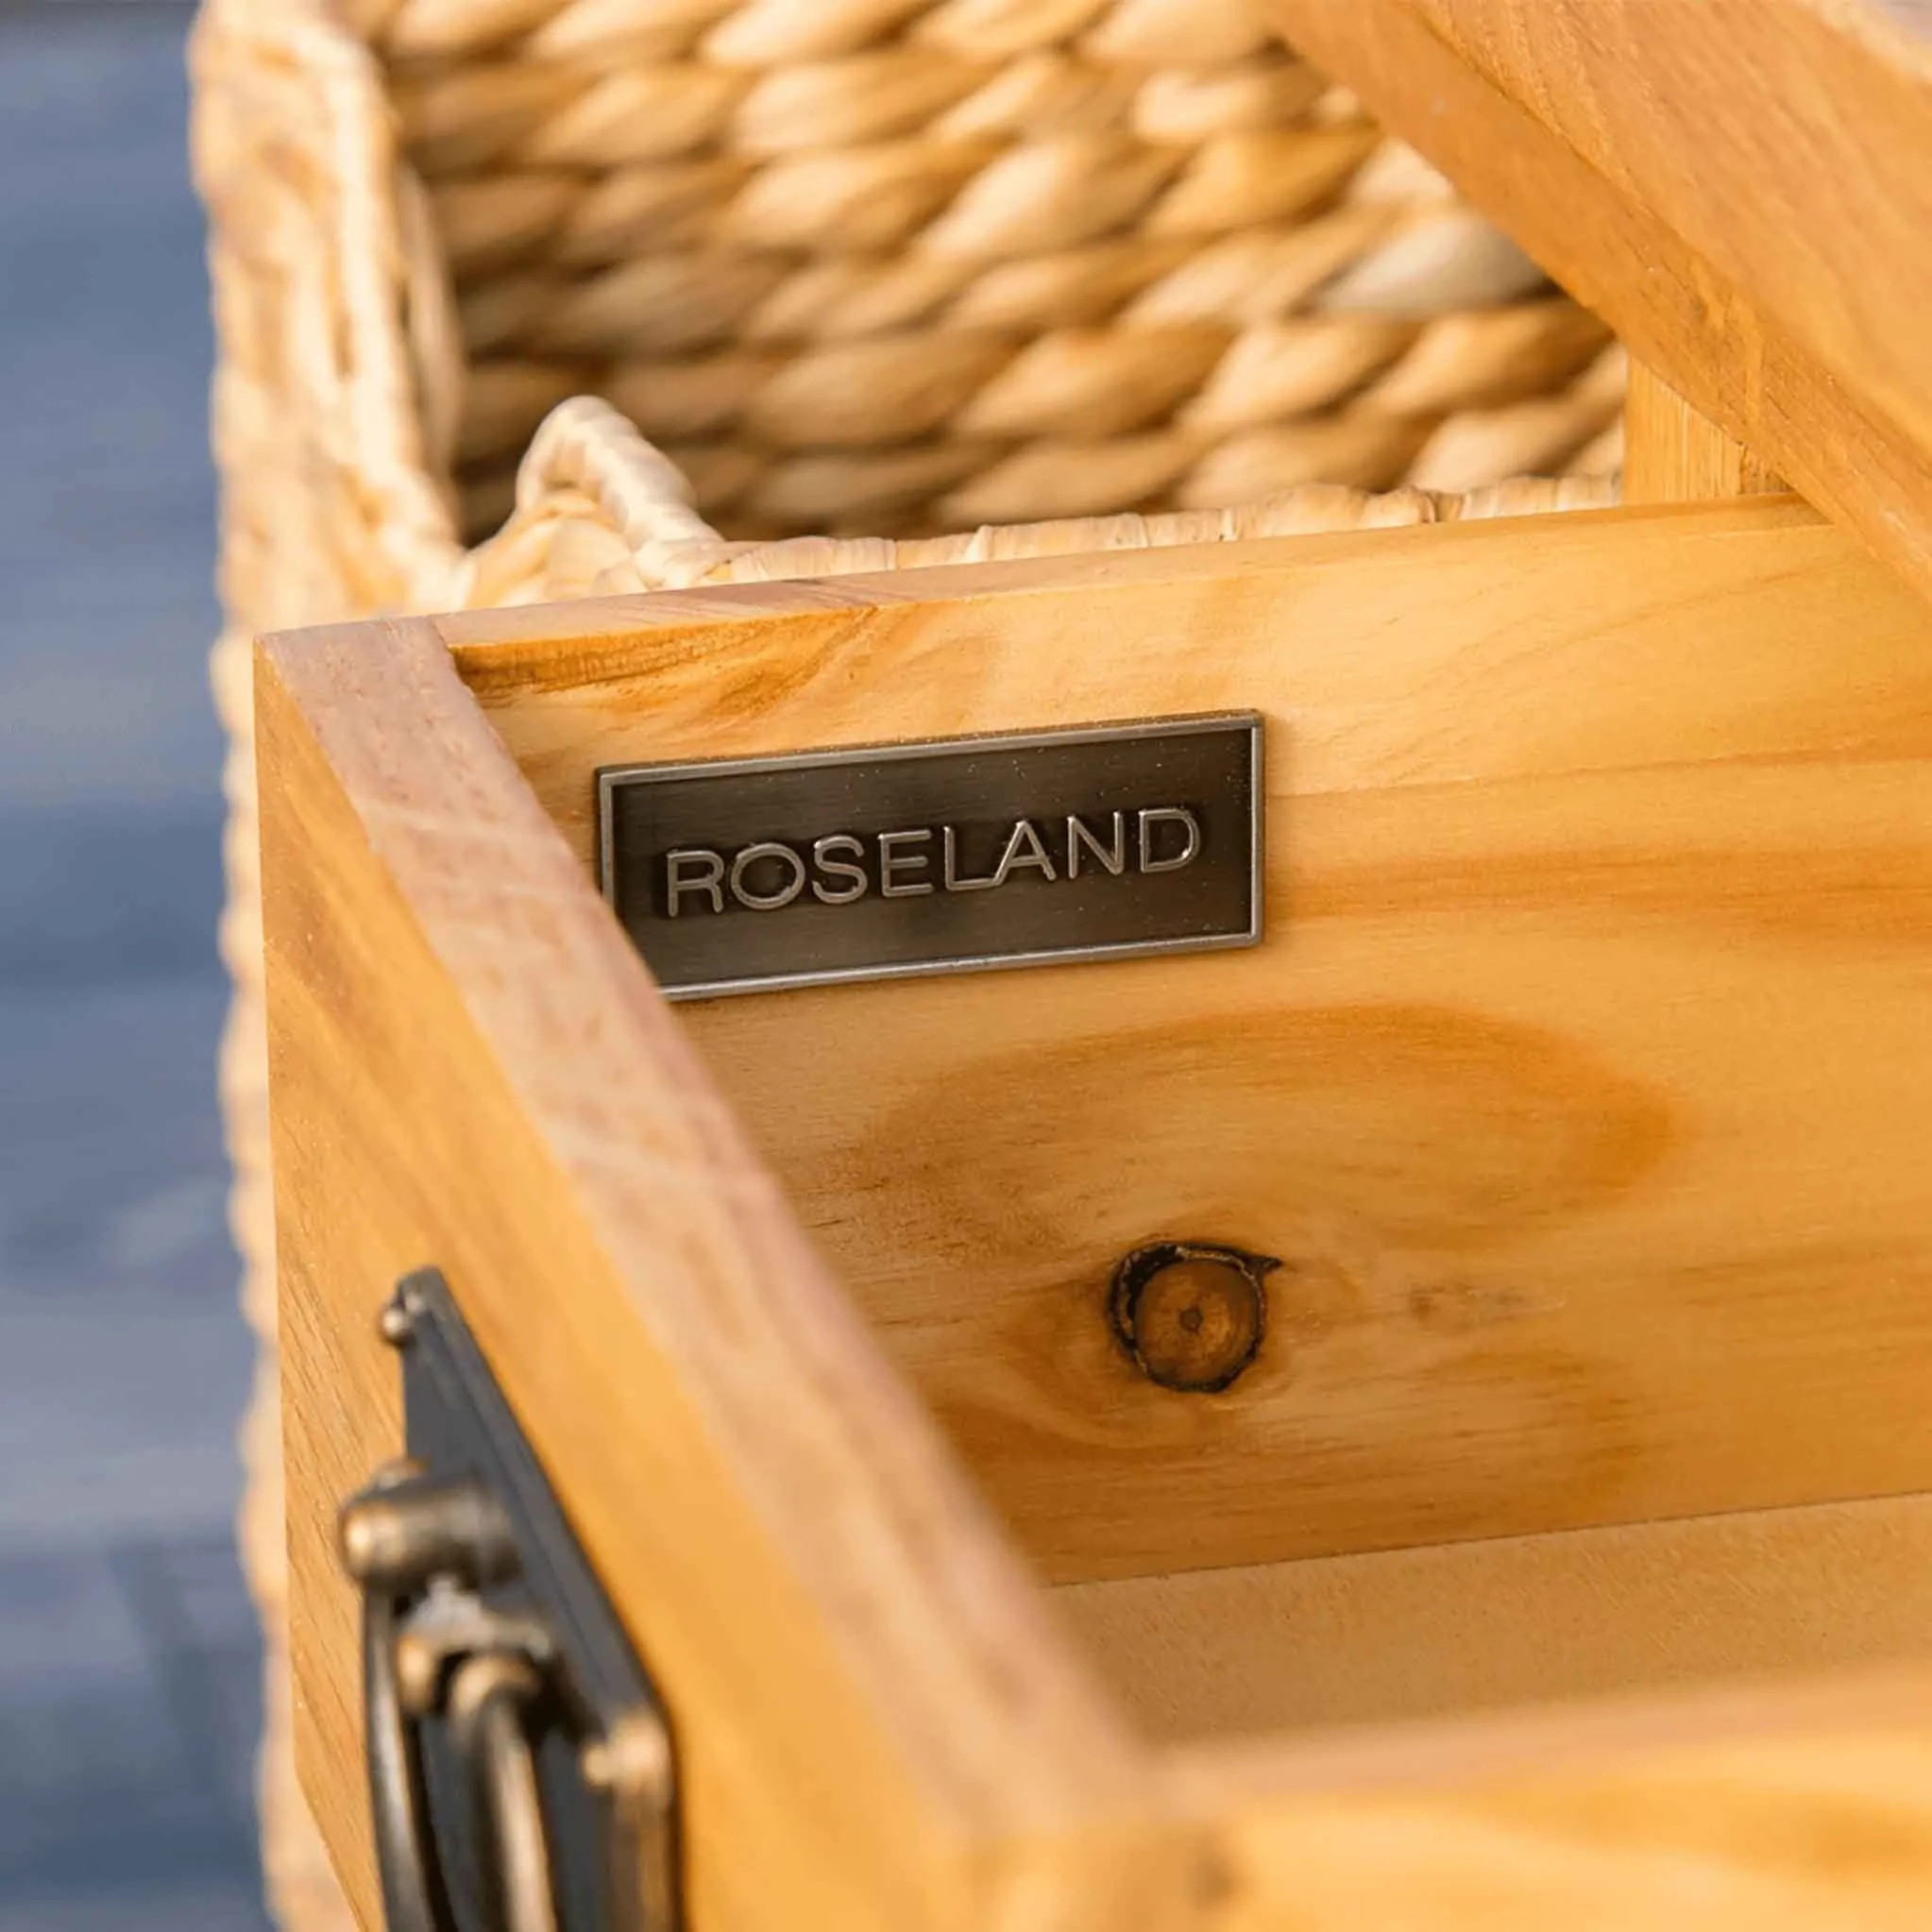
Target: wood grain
{"points": [[1789, 142], [1673, 453], [1806, 1809], [1455, 1629], [1574, 1084], [1738, 187], [1417, 656], [877, 1722], [869, 1703]]}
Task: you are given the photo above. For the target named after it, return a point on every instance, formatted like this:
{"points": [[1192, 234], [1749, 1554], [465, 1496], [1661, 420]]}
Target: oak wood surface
{"points": [[1573, 1083], [1743, 188], [1673, 453], [1801, 1810], [876, 1725], [872, 1709]]}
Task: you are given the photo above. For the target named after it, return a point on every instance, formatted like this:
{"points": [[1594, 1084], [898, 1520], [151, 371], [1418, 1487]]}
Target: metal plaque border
{"points": [[1190, 724]]}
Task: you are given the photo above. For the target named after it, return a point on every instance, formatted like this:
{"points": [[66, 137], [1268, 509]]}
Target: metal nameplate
{"points": [[944, 856]]}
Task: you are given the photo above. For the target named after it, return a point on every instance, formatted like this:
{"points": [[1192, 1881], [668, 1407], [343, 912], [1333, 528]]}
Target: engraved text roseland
{"points": [[841, 868], [938, 856]]}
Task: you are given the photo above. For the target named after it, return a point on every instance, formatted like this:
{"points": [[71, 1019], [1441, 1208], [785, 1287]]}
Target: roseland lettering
{"points": [[1022, 848], [841, 868]]}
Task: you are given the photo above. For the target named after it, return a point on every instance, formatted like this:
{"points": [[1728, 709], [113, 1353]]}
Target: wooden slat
{"points": [[876, 1727], [1466, 624], [1789, 142], [1800, 1810], [1576, 1083], [1673, 453], [1743, 188], [1456, 1629]]}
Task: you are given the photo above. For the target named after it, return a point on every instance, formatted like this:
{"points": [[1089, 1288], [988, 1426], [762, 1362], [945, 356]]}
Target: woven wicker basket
{"points": [[942, 278]]}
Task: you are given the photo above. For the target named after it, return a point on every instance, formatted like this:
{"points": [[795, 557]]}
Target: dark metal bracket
{"points": [[522, 1777]]}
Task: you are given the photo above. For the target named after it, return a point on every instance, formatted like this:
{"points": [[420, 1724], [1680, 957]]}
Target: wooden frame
{"points": [[1715, 715], [1740, 188], [1469, 929], [447, 998]]}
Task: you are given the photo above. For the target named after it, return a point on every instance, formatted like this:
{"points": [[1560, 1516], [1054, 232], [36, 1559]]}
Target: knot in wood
{"points": [[1191, 1314]]}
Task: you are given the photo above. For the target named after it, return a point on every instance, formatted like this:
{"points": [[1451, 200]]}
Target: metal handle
{"points": [[416, 1896], [491, 1701], [419, 1549], [467, 1689]]}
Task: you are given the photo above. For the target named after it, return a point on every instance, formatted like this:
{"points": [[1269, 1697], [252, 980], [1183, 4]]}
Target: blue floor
{"points": [[128, 1651]]}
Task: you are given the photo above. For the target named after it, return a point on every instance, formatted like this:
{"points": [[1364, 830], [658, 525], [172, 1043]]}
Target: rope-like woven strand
{"points": [[599, 511], [878, 266]]}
